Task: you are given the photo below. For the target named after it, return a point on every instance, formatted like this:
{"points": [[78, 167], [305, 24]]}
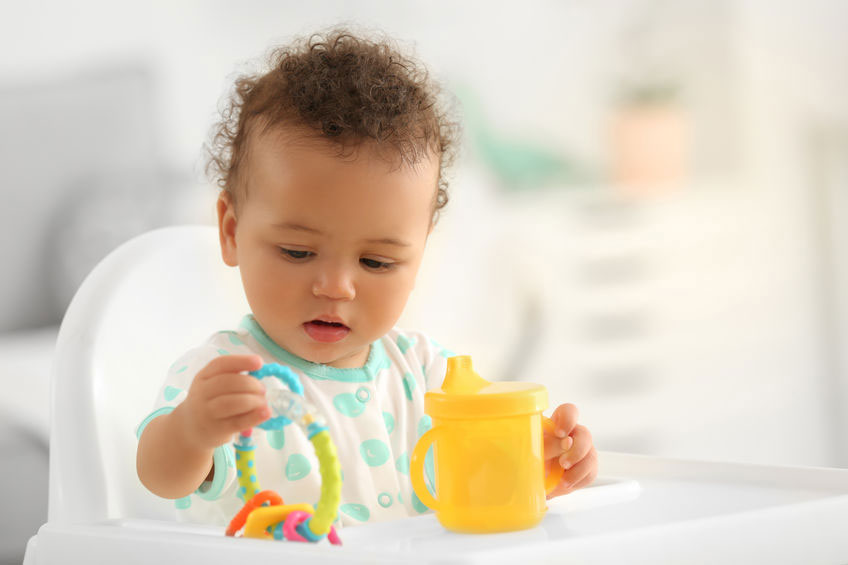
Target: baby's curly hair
{"points": [[346, 89]]}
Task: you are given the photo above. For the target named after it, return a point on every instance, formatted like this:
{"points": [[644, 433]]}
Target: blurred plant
{"points": [[649, 93], [651, 75], [518, 163], [649, 150]]}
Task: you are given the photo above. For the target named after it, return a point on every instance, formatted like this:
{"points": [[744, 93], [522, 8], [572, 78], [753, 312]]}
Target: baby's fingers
{"points": [[230, 364], [249, 420], [555, 446], [578, 476], [579, 449], [565, 418], [230, 383], [226, 406]]}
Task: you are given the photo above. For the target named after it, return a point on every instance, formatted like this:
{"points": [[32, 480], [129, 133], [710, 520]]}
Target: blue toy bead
{"points": [[313, 429], [303, 529], [288, 378], [283, 373], [276, 423]]}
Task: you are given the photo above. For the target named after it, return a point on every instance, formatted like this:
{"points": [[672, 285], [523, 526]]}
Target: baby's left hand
{"points": [[571, 447]]}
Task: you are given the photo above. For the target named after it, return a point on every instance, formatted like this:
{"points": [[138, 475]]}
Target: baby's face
{"points": [[328, 247]]}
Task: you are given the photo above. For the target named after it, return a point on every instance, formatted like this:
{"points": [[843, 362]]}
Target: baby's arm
{"points": [[175, 450]]}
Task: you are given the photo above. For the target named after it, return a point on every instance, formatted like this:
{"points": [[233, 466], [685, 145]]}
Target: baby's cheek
{"points": [[388, 299]]}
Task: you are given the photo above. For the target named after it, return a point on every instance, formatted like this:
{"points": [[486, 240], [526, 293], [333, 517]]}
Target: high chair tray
{"points": [[642, 510]]}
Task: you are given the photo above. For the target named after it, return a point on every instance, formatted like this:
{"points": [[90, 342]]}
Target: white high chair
{"points": [[167, 290]]}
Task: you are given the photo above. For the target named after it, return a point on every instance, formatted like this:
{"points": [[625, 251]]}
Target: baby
{"points": [[332, 167]]}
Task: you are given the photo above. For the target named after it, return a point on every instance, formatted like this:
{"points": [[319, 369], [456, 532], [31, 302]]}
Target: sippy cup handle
{"points": [[553, 477], [416, 467]]}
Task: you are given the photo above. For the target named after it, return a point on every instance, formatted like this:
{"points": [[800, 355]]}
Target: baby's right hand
{"points": [[222, 400]]}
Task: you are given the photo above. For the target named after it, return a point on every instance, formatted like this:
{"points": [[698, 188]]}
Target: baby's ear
{"points": [[227, 228]]}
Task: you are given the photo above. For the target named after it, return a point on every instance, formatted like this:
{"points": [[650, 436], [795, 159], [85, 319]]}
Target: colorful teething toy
{"points": [[264, 515]]}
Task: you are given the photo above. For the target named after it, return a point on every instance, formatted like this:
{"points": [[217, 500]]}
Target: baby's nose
{"points": [[336, 284]]}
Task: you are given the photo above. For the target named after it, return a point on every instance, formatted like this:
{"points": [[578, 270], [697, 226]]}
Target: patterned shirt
{"points": [[375, 415]]}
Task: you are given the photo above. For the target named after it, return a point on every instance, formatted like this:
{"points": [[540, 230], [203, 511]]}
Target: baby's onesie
{"points": [[375, 415]]}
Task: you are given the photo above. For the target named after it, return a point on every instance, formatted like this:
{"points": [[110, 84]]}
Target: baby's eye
{"points": [[295, 253], [375, 265]]}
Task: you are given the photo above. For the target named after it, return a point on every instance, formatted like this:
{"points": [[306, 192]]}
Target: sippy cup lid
{"points": [[465, 394]]}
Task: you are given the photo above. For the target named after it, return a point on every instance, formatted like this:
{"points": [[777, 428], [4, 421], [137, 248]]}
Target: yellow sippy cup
{"points": [[488, 451]]}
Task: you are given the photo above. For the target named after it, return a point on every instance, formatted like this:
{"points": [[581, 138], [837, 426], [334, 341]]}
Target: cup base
{"points": [[489, 522]]}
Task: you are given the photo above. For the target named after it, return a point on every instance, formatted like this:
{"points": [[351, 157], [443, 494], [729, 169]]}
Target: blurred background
{"points": [[649, 213]]}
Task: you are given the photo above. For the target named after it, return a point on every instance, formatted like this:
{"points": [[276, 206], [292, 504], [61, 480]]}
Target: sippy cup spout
{"points": [[461, 378]]}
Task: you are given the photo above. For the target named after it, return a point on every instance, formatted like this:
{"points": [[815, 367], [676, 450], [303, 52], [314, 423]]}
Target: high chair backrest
{"points": [[144, 305]]}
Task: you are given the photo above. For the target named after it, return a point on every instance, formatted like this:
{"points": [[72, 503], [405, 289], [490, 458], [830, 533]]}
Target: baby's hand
{"points": [[571, 447], [222, 400]]}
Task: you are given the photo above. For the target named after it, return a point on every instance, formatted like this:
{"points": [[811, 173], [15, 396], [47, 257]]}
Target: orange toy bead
{"points": [[260, 498]]}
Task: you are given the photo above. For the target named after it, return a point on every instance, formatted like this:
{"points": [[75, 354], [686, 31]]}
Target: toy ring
{"points": [[264, 512]]}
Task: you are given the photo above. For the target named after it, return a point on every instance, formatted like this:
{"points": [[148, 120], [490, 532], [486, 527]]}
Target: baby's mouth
{"points": [[326, 332]]}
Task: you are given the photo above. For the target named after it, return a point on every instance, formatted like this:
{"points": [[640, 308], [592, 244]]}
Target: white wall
{"points": [[524, 57]]}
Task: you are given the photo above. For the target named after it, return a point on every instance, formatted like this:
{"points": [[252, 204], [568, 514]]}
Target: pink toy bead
{"points": [[296, 518], [292, 521]]}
